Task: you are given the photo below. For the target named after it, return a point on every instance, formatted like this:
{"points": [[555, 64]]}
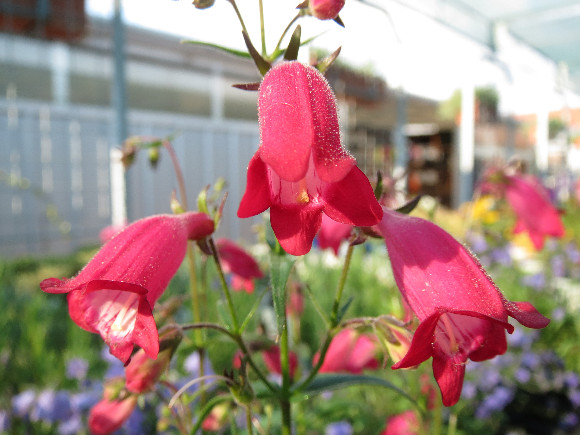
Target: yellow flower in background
{"points": [[483, 210]]}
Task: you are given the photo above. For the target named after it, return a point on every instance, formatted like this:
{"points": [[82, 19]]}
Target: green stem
{"points": [[340, 288], [262, 28], [333, 320], [241, 20], [193, 285], [286, 31], [286, 380], [249, 421], [225, 286], [241, 344]]}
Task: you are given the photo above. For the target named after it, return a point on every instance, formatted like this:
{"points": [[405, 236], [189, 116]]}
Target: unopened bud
{"points": [[203, 4]]}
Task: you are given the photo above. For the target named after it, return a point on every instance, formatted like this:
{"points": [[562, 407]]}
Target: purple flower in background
{"points": [[496, 401], [339, 428], [22, 403], [571, 380], [536, 281], [530, 360], [569, 421], [4, 421], [85, 400], [477, 243], [469, 390], [573, 253], [522, 375], [51, 406], [574, 397], [77, 368], [116, 367], [71, 426], [558, 314], [501, 256], [558, 266], [192, 366]]}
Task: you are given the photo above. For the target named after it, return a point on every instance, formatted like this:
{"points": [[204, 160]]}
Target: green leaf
{"points": [[293, 45], [207, 409], [410, 206], [262, 64], [280, 267], [337, 381], [343, 310], [235, 52]]}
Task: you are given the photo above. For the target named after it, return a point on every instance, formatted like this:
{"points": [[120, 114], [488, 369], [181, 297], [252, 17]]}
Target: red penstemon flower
{"points": [[301, 169], [142, 372], [463, 315], [332, 234], [114, 293], [113, 410], [535, 213], [350, 351], [240, 264]]}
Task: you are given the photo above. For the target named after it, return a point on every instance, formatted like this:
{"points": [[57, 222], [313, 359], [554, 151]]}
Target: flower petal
{"points": [[352, 200], [256, 199], [295, 227]]}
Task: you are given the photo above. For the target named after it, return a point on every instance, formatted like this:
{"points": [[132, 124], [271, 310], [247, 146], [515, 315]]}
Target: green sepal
{"points": [[325, 63], [409, 206], [293, 45], [202, 200], [247, 86], [379, 186], [262, 64]]}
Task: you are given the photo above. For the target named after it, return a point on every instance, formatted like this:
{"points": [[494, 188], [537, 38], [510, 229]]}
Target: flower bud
{"points": [[203, 4], [326, 9], [142, 373]]}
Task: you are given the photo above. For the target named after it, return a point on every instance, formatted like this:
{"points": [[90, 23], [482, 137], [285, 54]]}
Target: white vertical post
{"points": [[118, 189], [60, 66], [542, 135], [466, 142]]}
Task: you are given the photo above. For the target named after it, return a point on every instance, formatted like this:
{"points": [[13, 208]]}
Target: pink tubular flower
{"points": [[405, 423], [332, 233], [326, 9], [240, 264], [350, 352], [463, 315], [272, 360], [110, 414], [114, 293], [301, 169], [535, 213]]}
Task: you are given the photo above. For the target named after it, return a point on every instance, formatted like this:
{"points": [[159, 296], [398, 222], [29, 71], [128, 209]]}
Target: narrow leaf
{"points": [[263, 65], [343, 310], [233, 51], [280, 267], [324, 382], [293, 45]]}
